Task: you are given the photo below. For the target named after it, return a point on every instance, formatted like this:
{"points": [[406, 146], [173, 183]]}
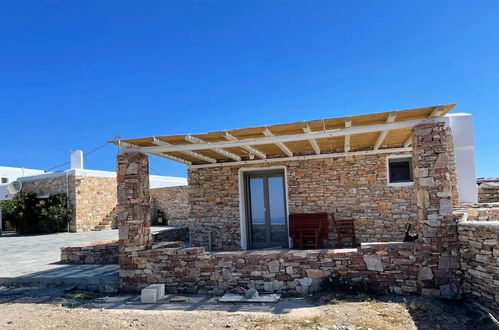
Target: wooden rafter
{"points": [[348, 124], [312, 142], [251, 150], [219, 151], [391, 118], [185, 152], [159, 154], [281, 145]]}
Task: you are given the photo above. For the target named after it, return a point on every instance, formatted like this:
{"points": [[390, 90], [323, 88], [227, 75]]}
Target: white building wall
{"points": [[461, 125]]}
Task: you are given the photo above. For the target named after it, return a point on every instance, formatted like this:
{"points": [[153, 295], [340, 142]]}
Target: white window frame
{"points": [[398, 184]]}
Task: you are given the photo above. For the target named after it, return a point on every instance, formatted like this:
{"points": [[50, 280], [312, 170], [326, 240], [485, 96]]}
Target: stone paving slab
{"points": [[34, 260], [22, 255]]}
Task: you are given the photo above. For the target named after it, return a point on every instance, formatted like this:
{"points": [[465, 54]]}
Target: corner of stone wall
{"points": [[133, 214], [434, 183]]}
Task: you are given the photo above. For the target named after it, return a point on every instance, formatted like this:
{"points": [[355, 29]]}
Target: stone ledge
{"points": [[482, 224]]}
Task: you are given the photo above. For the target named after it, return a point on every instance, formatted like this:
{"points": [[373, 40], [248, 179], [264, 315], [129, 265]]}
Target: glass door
{"points": [[266, 209]]}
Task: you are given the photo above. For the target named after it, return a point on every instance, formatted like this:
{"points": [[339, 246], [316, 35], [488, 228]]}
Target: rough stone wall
{"points": [[51, 186], [479, 242], [488, 190], [173, 201], [133, 211], [352, 187], [436, 226], [95, 200], [394, 267], [105, 252], [171, 234], [479, 212]]}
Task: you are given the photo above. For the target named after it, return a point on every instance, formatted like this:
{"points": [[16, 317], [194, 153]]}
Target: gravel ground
{"points": [[42, 308]]}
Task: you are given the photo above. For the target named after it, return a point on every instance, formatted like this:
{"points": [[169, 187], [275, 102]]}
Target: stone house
{"points": [[243, 183], [92, 194], [383, 171]]}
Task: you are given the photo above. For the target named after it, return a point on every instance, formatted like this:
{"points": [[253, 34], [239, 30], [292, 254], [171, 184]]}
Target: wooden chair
{"points": [[345, 232], [308, 230]]}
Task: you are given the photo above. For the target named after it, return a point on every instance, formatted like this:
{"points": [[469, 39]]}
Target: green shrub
{"points": [[32, 215]]}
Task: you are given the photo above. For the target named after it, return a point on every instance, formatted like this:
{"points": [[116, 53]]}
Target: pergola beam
{"points": [[321, 156], [249, 149], [391, 118], [219, 151], [348, 124], [170, 157], [437, 112], [185, 152], [312, 142], [281, 145], [291, 137]]}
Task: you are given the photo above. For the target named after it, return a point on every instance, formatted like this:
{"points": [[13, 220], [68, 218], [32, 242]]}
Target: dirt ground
{"points": [[36, 308]]}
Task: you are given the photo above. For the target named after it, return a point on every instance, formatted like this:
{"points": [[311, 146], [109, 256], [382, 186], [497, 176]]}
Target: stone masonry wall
{"points": [[95, 200], [173, 201], [352, 187], [488, 190], [394, 267], [434, 185], [105, 252], [58, 185], [479, 242], [133, 211]]}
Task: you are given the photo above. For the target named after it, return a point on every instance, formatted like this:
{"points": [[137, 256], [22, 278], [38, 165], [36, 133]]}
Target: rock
{"points": [[251, 293], [373, 262], [273, 266], [445, 206], [306, 281], [315, 273], [425, 274], [273, 286]]}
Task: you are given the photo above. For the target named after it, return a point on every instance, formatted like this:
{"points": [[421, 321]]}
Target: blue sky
{"points": [[74, 74]]}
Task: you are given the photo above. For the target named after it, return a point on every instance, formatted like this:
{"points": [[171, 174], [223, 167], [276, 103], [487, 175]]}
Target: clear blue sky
{"points": [[74, 74]]}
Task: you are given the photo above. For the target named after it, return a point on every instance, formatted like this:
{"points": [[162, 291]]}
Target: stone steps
{"points": [[106, 223]]}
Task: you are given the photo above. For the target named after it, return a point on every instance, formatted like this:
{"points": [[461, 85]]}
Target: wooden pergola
{"points": [[384, 132]]}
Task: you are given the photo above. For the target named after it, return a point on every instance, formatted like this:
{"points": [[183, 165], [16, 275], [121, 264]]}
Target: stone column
{"points": [[433, 168], [134, 224]]}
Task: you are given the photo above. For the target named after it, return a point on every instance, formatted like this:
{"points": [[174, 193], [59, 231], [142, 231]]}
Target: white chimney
{"points": [[461, 125], [77, 159]]}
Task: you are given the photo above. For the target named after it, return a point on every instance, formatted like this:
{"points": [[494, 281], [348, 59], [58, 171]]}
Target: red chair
{"points": [[308, 230], [345, 233]]}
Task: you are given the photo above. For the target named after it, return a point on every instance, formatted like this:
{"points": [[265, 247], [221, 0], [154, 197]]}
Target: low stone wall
{"points": [[479, 248], [172, 201], [171, 234], [105, 252], [479, 212], [397, 267], [488, 190]]}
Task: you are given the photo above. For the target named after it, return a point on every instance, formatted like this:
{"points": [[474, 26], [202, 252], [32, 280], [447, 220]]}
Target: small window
{"points": [[400, 170], [5, 180]]}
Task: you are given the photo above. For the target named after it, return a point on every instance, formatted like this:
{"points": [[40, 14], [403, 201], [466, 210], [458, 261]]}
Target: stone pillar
{"points": [[433, 170], [134, 223]]}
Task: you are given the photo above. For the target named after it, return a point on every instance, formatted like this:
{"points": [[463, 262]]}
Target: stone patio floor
{"points": [[34, 259]]}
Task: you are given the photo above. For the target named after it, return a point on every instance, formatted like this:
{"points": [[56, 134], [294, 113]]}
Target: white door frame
{"points": [[243, 222]]}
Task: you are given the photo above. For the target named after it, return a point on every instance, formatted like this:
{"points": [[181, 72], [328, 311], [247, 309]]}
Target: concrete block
{"points": [[152, 293]]}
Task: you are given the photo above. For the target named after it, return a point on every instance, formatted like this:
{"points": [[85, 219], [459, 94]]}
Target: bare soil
{"points": [[39, 309]]}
